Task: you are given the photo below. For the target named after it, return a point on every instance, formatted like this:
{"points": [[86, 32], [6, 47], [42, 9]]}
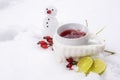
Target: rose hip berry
{"points": [[44, 46], [49, 40], [47, 37], [47, 43], [41, 42], [70, 60], [69, 65]]}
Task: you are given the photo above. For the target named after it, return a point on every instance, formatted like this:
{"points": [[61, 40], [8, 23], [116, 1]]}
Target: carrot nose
{"points": [[49, 11]]}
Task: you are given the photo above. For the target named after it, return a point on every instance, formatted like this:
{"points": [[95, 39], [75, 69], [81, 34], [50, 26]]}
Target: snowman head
{"points": [[51, 11]]}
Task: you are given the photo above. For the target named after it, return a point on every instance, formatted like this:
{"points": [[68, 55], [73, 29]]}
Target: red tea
{"points": [[72, 33]]}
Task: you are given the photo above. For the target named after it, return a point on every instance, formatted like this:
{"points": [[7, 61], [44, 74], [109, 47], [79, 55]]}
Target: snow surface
{"points": [[21, 28]]}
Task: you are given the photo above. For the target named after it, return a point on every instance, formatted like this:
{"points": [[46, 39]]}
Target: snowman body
{"points": [[50, 23]]}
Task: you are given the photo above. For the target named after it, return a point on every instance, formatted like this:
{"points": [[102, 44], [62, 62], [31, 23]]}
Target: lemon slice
{"points": [[84, 64], [99, 66]]}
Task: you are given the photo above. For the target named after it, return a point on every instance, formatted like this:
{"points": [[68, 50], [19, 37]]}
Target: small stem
{"points": [[86, 23], [100, 30], [52, 49], [109, 52]]}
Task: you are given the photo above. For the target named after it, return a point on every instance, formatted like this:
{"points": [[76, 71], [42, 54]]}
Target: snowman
{"points": [[50, 22]]}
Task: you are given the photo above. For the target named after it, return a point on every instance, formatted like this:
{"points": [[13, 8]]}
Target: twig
{"points": [[100, 30], [86, 23], [109, 52], [97, 34]]}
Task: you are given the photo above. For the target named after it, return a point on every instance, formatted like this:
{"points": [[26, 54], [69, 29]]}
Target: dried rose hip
{"points": [[69, 65], [44, 46], [70, 60], [47, 37], [50, 42], [41, 42]]}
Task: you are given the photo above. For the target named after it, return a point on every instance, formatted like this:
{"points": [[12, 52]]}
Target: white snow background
{"points": [[21, 28]]}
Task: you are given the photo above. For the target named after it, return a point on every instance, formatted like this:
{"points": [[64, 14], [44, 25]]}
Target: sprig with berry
{"points": [[46, 43], [70, 63]]}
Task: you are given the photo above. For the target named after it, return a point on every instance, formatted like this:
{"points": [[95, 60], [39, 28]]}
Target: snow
{"points": [[21, 28]]}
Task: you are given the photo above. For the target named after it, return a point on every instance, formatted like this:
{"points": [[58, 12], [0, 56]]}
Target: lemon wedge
{"points": [[98, 66], [84, 64]]}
